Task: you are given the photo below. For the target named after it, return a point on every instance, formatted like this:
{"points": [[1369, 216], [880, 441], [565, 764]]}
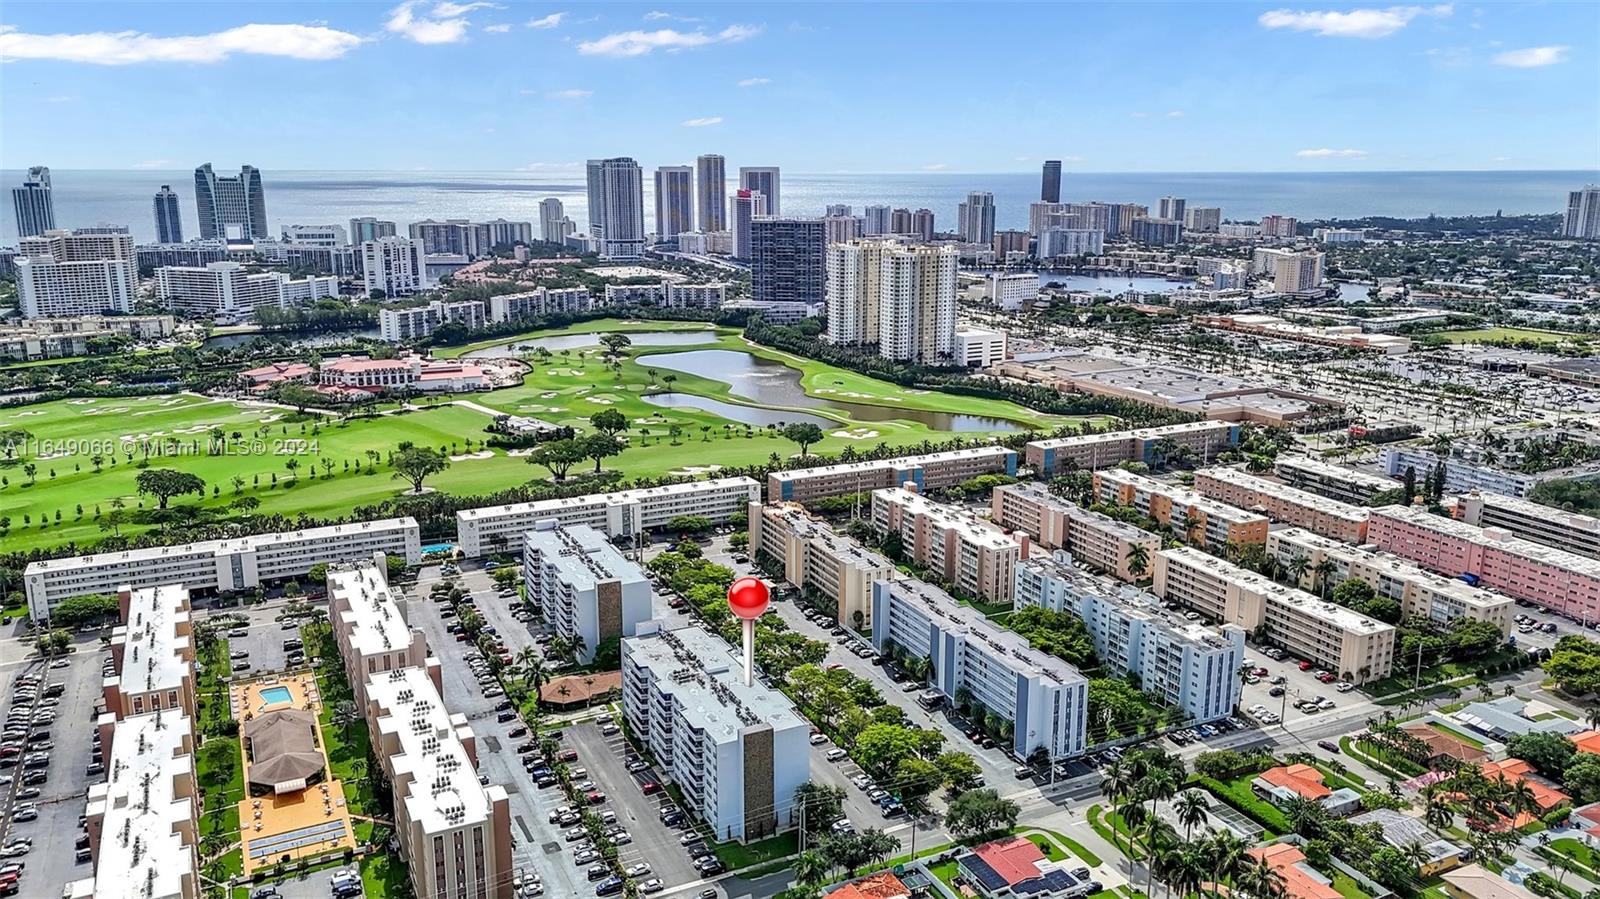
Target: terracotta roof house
{"points": [[1300, 880], [1517, 771], [1286, 783], [882, 885], [1587, 741], [1441, 745], [1015, 867], [283, 753]]}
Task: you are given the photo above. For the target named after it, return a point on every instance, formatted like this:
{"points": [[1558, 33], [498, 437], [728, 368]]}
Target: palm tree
{"points": [[1191, 809], [1297, 568], [811, 867], [1227, 855], [1439, 814], [1138, 559], [1323, 571], [1261, 880], [1117, 779]]}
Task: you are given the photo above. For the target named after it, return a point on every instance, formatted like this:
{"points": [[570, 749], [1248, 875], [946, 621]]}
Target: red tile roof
{"points": [[1286, 858], [1014, 858], [882, 885], [1302, 779]]}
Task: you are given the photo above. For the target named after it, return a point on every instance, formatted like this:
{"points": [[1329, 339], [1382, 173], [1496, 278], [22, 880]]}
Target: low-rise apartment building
{"points": [[1044, 700], [143, 820], [1185, 511], [1187, 665], [1149, 445], [626, 513], [588, 591], [1318, 514], [1529, 520], [538, 303], [1553, 578], [819, 560], [152, 652], [372, 635], [1100, 541], [398, 323], [1462, 476], [240, 563], [934, 471], [736, 752], [1352, 646], [454, 832], [1333, 481], [1421, 594], [973, 556]]}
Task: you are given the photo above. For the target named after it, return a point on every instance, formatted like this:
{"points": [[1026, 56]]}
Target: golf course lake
{"points": [[773, 384], [557, 343]]}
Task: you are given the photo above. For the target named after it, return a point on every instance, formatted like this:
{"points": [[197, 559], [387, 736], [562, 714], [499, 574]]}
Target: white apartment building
{"points": [[1011, 290], [1460, 476], [1187, 665], [85, 272], [369, 629], [143, 820], [1097, 540], [1351, 646], [1057, 242], [588, 591], [736, 752], [1291, 271], [454, 832], [396, 324], [398, 266], [902, 298], [818, 560], [538, 303], [706, 243], [974, 556], [1147, 445], [316, 235], [228, 290], [979, 347], [1529, 520], [1045, 699], [1421, 594], [1318, 514], [152, 652], [1330, 480], [934, 471], [240, 563], [626, 513]]}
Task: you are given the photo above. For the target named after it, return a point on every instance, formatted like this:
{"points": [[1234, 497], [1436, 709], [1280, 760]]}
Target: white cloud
{"points": [[1139, 115], [153, 164], [550, 21], [754, 82], [1362, 23], [1175, 114], [1072, 159], [497, 29], [1329, 153], [1532, 57], [656, 15], [445, 23], [60, 98], [119, 48], [570, 94], [640, 43], [703, 122], [936, 167]]}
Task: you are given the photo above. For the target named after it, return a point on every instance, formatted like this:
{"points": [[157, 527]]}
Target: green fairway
{"points": [[1481, 335], [68, 498]]}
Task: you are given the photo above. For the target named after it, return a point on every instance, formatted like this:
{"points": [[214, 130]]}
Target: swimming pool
{"points": [[275, 695], [438, 548]]}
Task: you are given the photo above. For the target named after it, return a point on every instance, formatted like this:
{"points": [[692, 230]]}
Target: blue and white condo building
{"points": [[1187, 665], [1044, 698]]}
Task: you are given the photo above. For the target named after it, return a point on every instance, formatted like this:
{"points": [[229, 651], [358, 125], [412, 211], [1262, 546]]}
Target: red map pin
{"points": [[748, 598]]}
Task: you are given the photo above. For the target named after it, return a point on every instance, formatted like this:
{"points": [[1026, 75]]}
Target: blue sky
{"points": [[858, 87]]}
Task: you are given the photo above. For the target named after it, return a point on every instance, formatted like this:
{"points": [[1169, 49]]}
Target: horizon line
{"points": [[920, 173]]}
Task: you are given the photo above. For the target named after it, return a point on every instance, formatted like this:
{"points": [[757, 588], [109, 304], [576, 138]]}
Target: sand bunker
{"points": [[697, 469], [480, 454], [855, 434]]}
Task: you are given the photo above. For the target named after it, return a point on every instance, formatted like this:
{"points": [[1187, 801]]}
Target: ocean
{"points": [[84, 198]]}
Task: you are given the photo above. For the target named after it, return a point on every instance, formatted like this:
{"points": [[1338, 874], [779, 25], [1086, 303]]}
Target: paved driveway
{"points": [[653, 843]]}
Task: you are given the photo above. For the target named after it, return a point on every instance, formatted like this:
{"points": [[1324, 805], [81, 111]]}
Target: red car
{"points": [[650, 786], [1305, 666], [595, 797]]}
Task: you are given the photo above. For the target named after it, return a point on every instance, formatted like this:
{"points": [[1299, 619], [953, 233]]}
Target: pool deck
{"points": [[310, 822]]}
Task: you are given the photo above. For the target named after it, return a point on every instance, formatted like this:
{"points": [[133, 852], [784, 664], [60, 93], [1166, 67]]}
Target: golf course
{"points": [[704, 401]]}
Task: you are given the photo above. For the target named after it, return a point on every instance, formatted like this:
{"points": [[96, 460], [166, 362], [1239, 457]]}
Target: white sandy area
{"points": [[697, 469], [480, 454], [29, 412], [602, 401], [82, 402], [855, 434]]}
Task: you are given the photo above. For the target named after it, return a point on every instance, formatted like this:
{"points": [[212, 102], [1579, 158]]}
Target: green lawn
{"points": [[742, 855], [1577, 851], [68, 498], [1347, 886], [1479, 335], [383, 875], [1238, 794], [946, 872], [598, 326], [1077, 848]]}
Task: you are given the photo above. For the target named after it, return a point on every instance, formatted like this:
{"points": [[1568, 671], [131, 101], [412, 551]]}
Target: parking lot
{"points": [[60, 803], [653, 843]]}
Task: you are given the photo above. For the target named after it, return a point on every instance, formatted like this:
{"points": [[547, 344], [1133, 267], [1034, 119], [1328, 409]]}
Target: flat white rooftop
{"points": [[154, 655], [601, 500], [702, 673], [581, 554], [376, 623], [255, 543], [139, 854], [1188, 427], [1391, 565], [1336, 472], [971, 452], [445, 793], [1180, 495], [1310, 606], [1323, 504], [1007, 647], [971, 529]]}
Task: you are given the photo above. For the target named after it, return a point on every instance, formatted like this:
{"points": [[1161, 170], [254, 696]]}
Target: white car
{"points": [[12, 850], [653, 885], [639, 870]]}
